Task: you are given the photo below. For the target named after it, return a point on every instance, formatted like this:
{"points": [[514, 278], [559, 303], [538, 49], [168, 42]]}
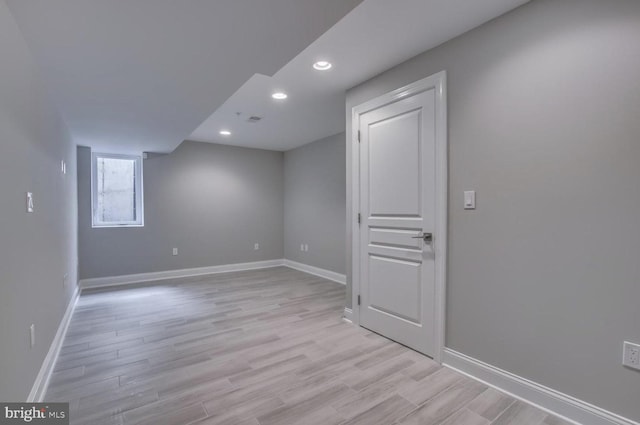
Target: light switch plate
{"points": [[29, 202], [470, 200]]}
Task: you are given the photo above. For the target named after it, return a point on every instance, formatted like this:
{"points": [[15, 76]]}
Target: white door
{"points": [[398, 194]]}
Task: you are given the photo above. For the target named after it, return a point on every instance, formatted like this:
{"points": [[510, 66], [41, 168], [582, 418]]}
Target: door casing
{"points": [[438, 82]]}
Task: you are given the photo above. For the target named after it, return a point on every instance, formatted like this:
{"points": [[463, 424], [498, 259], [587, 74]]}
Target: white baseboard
{"points": [[327, 274], [103, 282], [547, 399], [348, 315], [41, 383]]}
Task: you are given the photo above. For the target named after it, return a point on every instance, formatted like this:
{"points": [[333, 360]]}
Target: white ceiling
{"points": [[140, 75], [372, 38]]}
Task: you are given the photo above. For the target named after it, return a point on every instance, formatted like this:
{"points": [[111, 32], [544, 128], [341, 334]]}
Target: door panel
{"points": [[397, 203], [394, 238], [394, 150], [400, 299]]}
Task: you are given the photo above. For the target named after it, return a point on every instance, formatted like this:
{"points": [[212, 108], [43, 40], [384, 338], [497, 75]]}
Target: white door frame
{"points": [[439, 83]]}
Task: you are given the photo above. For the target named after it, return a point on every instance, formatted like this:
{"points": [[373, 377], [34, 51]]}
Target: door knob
{"points": [[426, 237]]}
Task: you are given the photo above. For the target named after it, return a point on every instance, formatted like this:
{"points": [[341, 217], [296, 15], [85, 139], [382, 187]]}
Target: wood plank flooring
{"points": [[264, 347]]}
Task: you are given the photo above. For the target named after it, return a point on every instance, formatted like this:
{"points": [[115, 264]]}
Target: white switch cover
{"points": [[470, 200], [29, 202], [175, 251], [256, 246]]}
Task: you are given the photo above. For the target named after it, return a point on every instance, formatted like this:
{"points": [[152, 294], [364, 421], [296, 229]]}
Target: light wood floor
{"points": [[261, 347]]}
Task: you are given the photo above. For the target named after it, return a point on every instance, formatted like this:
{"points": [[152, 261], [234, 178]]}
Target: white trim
{"points": [[355, 215], [102, 282], [442, 211], [41, 383], [317, 271], [348, 315], [439, 83], [545, 398]]}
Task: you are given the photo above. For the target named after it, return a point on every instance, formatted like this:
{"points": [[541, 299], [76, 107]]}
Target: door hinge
{"points": [[358, 136], [359, 218], [358, 299]]}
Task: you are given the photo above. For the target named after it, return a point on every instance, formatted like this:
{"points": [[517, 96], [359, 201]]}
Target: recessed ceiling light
{"points": [[225, 132], [279, 96], [322, 65]]}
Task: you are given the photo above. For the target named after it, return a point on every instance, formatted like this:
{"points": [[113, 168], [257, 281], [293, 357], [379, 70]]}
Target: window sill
{"points": [[114, 226]]}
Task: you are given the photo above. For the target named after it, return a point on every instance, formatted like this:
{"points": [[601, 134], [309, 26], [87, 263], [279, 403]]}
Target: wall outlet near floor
{"points": [[32, 334], [175, 251], [306, 248], [256, 246], [631, 357]]}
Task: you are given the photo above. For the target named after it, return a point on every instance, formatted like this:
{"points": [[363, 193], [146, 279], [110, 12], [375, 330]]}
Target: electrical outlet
{"points": [[631, 356], [175, 251], [256, 246], [306, 248], [32, 335]]}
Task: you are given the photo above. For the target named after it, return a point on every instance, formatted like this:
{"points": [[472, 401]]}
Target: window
{"points": [[116, 190]]}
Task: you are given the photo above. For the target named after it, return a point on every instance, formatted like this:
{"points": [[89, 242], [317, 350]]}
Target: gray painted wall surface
{"points": [[212, 202], [36, 249], [314, 203], [544, 108]]}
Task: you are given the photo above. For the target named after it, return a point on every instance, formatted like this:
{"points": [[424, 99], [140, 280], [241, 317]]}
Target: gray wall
{"points": [[544, 108], [37, 249], [212, 202], [314, 203]]}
